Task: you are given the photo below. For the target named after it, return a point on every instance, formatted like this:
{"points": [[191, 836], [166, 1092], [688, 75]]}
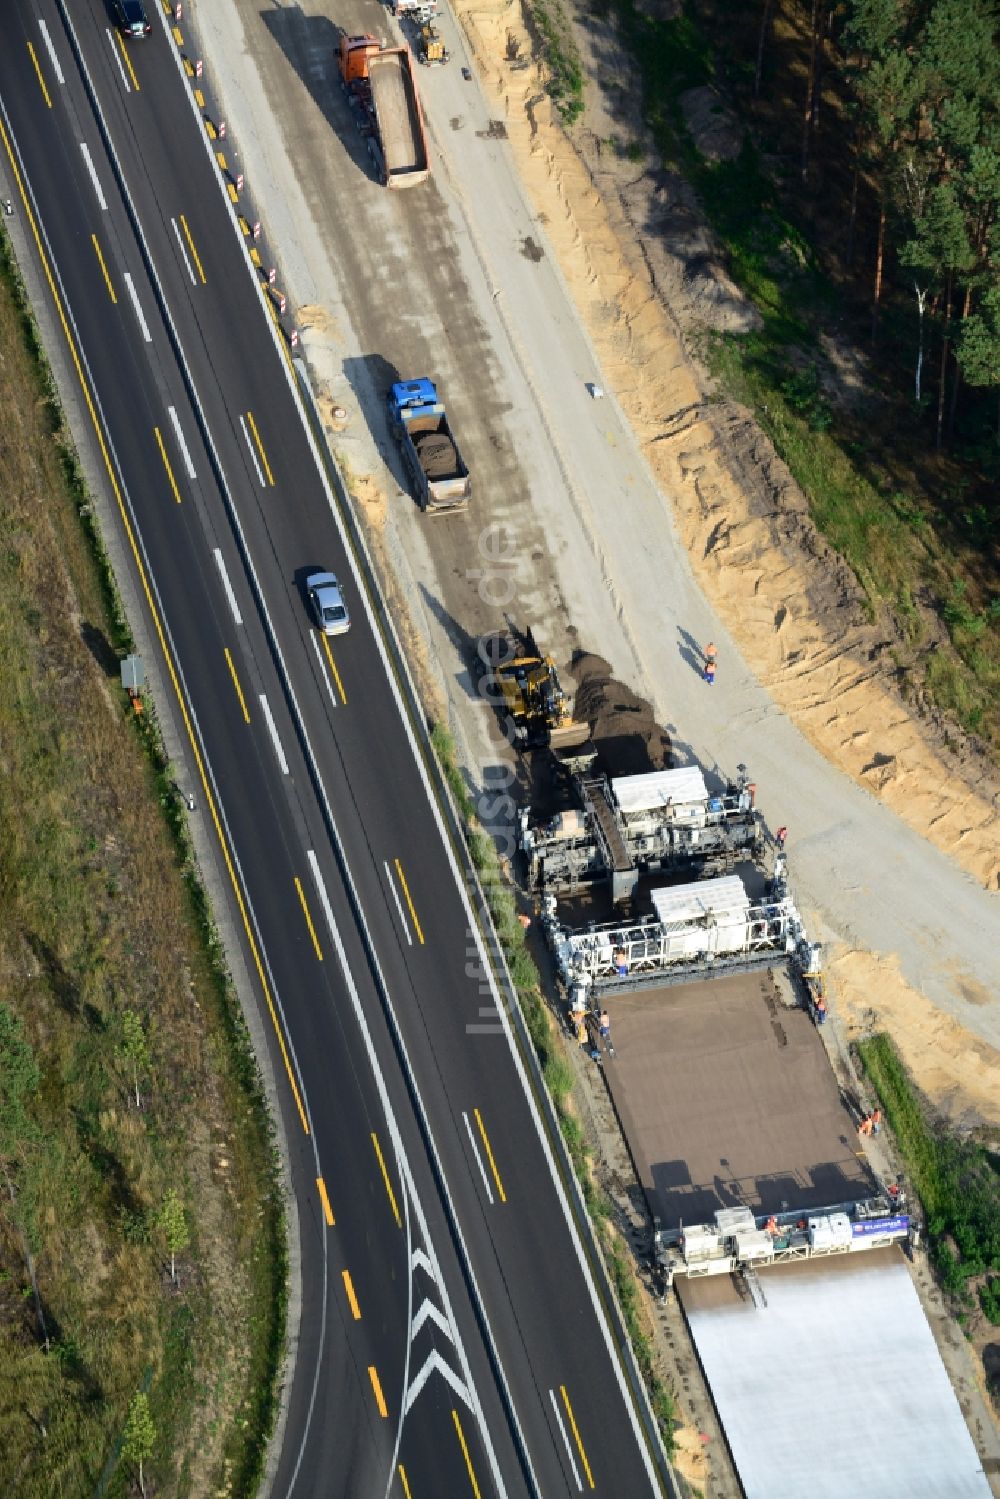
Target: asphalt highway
{"points": [[452, 1341]]}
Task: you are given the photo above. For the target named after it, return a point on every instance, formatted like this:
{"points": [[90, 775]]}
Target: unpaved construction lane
{"points": [[455, 280]]}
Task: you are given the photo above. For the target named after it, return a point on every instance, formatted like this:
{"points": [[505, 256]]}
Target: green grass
{"points": [[101, 914], [557, 1072], [957, 1181]]}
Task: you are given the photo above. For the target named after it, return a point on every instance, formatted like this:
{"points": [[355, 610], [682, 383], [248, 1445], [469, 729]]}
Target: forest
{"points": [[861, 219], [909, 171]]}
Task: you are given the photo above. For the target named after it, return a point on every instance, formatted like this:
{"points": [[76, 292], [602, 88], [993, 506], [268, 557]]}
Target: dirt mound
{"points": [[622, 725]]}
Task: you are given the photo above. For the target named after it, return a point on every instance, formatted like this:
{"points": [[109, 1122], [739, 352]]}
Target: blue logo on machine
{"points": [[871, 1226]]}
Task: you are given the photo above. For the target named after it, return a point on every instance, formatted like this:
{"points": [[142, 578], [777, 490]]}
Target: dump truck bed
{"points": [[436, 461], [400, 122]]}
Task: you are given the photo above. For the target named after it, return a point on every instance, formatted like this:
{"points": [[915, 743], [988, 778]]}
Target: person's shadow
{"points": [[690, 651]]}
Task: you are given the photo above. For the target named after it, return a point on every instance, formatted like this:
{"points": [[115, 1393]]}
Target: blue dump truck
{"points": [[439, 473]]}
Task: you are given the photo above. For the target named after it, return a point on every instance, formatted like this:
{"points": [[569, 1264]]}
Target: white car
{"points": [[327, 604]]}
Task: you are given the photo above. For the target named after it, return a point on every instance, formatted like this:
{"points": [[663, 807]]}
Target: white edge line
{"points": [[399, 907], [117, 58], [183, 249], [138, 313], [253, 452], [273, 729], [88, 160], [179, 434], [220, 562], [51, 50], [322, 669], [479, 1159], [565, 1437]]}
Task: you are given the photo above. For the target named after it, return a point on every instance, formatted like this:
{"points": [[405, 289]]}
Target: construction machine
{"points": [[524, 687], [381, 85], [432, 49]]}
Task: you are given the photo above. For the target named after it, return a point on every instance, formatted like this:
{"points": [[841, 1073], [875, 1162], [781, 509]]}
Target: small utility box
{"points": [[133, 674]]}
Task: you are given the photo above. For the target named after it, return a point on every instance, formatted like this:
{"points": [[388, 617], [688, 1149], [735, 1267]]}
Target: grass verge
{"points": [[112, 983], [558, 1076], [957, 1181]]}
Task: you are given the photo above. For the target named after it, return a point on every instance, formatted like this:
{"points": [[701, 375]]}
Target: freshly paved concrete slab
{"points": [[727, 1098], [836, 1388]]}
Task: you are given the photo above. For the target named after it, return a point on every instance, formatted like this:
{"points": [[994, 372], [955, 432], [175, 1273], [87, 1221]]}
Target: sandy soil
{"points": [[956, 1071], [793, 609]]}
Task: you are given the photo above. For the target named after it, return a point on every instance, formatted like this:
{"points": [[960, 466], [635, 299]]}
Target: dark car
{"points": [[132, 18]]}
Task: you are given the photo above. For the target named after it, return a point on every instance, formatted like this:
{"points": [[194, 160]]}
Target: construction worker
{"points": [[820, 1010], [865, 1127], [604, 1026], [711, 654], [877, 1122], [620, 958], [779, 838]]}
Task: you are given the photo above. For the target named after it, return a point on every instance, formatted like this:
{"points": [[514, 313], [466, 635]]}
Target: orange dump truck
{"points": [[381, 85]]}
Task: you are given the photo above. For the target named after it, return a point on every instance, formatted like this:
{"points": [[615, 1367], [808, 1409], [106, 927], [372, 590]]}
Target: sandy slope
{"points": [[816, 668]]}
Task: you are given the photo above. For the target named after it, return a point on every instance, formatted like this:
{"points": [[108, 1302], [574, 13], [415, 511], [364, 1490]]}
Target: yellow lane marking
{"points": [[349, 1288], [465, 1454], [260, 448], [489, 1156], [127, 60], [333, 669], [157, 624], [194, 253], [388, 1183], [324, 1199], [166, 465], [377, 1388], [576, 1436], [236, 683], [234, 196], [178, 36], [405, 1482], [212, 132], [309, 920], [220, 157], [199, 98], [104, 269], [409, 901], [41, 80]]}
